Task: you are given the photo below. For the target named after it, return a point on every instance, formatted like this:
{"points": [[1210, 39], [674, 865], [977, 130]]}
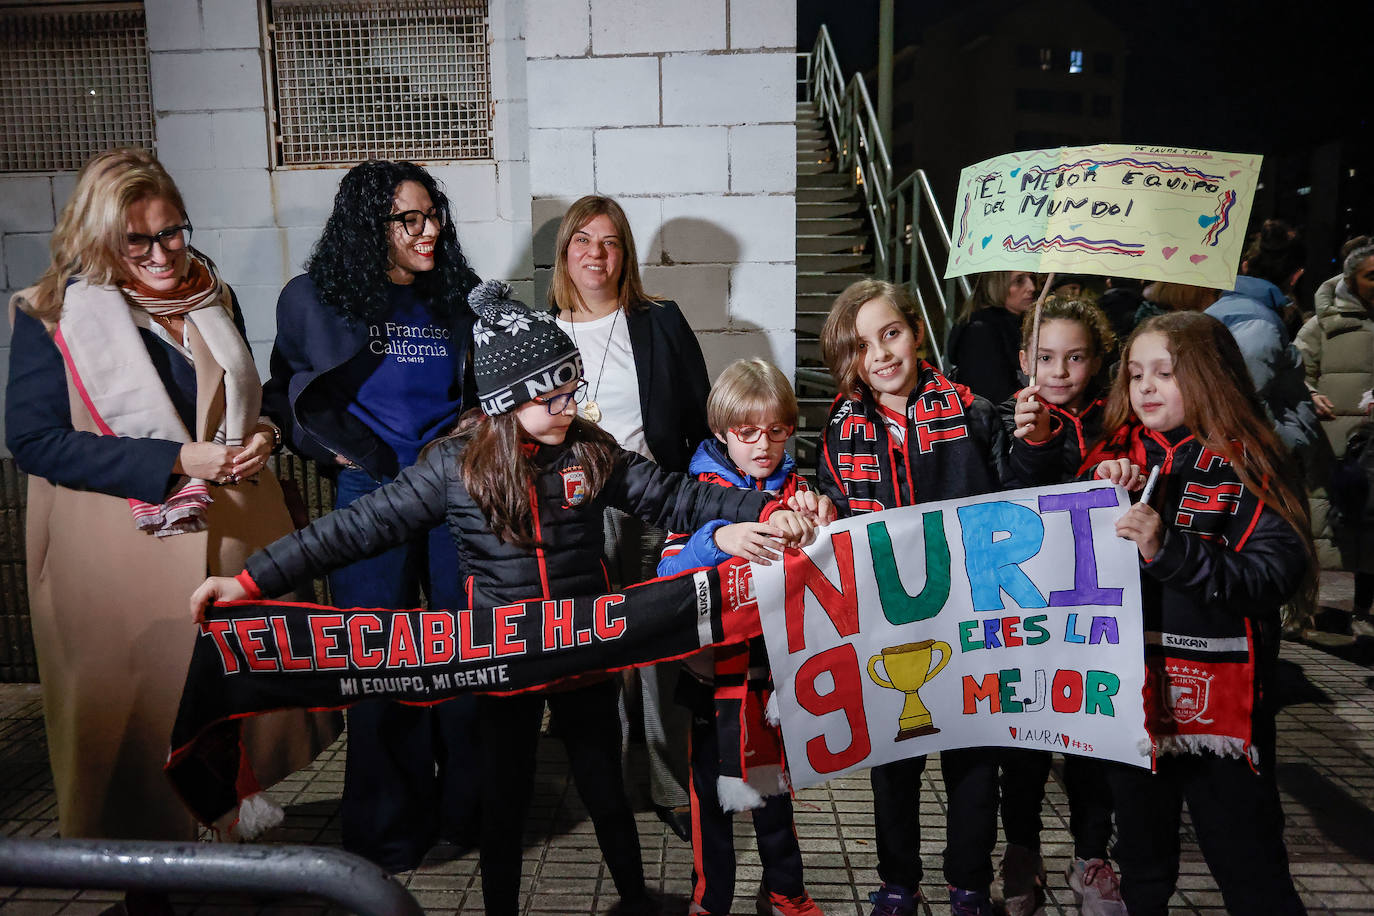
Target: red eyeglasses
{"points": [[750, 434]]}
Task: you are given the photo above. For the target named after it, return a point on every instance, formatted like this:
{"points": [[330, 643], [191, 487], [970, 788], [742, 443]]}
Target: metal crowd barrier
{"points": [[252, 870]]}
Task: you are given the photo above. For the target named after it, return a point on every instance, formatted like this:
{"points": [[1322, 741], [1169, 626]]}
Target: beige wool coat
{"points": [[114, 634], [1337, 346]]}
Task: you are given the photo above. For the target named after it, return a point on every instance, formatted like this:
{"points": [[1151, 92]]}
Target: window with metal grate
{"points": [[73, 82], [390, 79]]}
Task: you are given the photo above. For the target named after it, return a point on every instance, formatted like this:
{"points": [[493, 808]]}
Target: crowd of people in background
{"points": [[134, 405]]}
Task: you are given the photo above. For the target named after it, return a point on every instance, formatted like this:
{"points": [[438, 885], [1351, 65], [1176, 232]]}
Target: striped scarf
{"points": [[98, 336]]}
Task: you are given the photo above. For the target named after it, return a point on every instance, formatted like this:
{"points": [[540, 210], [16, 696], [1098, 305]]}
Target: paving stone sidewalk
{"points": [[1325, 771]]}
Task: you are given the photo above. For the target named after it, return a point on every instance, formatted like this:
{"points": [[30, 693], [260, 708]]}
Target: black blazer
{"points": [[673, 383]]}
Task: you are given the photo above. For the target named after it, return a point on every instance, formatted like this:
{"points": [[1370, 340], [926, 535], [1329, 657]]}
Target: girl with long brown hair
{"points": [[523, 487], [1223, 542]]}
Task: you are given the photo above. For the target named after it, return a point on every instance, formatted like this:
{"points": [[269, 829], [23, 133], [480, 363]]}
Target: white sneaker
{"points": [[1096, 888]]}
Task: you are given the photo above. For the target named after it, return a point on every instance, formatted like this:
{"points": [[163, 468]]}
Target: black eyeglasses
{"points": [[173, 238], [750, 434], [557, 403], [414, 220]]}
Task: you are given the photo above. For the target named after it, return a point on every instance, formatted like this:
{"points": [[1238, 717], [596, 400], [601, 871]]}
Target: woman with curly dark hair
{"points": [[370, 365]]}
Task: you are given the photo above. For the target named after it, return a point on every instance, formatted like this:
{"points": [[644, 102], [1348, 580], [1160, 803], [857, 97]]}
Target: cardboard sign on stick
{"points": [[1155, 213]]}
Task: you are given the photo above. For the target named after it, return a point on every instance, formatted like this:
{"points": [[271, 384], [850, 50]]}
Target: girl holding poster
{"points": [[1224, 543], [1075, 339], [900, 433]]}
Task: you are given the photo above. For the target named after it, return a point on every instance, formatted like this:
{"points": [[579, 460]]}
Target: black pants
{"points": [[411, 772], [713, 835], [970, 824], [1090, 805], [587, 721], [1023, 776], [409, 779], [1364, 592], [1239, 825]]}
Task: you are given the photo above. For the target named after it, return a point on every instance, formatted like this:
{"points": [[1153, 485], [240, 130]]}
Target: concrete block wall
{"points": [[685, 113], [258, 223]]}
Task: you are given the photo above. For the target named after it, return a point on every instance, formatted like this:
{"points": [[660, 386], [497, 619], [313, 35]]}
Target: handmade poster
{"points": [[1010, 619], [1151, 212]]}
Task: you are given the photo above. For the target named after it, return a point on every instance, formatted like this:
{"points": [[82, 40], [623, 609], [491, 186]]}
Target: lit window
{"points": [[388, 79], [1046, 58], [73, 83], [1075, 61]]}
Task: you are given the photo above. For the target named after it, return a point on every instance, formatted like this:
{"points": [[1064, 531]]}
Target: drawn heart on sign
{"points": [[1065, 739], [1012, 729], [1197, 258], [1205, 221], [1014, 172], [970, 248], [1235, 172], [1169, 251], [1075, 227], [986, 239]]}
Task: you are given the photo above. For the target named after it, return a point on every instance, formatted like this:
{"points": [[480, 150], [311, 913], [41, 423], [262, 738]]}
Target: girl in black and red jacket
{"points": [[523, 487], [901, 433], [1223, 543], [1075, 339]]}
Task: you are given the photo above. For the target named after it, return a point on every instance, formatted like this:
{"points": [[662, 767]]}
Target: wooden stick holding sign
{"points": [[1035, 327], [1034, 355]]}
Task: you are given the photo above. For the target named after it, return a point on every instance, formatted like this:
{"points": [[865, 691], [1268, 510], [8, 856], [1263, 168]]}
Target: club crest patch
{"points": [[738, 586], [1186, 693], [574, 485]]}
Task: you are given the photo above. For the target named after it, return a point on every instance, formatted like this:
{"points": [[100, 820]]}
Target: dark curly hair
{"points": [[348, 264]]}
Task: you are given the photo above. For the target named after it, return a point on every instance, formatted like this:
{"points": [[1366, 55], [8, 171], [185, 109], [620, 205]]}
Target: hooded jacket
{"points": [[712, 463], [1253, 314], [1337, 346]]}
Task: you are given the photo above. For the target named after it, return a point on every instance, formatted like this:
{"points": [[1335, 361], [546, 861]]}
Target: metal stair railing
{"points": [[901, 217], [248, 869], [915, 265]]}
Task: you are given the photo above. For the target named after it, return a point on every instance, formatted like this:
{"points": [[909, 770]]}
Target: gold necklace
{"points": [[592, 410]]}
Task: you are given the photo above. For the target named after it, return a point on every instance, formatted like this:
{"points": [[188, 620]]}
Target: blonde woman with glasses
{"points": [[134, 406]]}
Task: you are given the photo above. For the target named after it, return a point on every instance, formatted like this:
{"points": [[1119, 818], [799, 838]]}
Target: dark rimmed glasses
{"points": [[173, 238], [414, 220], [557, 403], [750, 434]]}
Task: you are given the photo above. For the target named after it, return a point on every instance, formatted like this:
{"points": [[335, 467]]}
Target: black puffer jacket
{"points": [[569, 527], [1074, 434]]}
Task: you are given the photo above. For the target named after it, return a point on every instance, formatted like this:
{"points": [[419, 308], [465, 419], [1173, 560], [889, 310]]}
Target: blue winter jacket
{"points": [[1253, 314], [711, 462]]}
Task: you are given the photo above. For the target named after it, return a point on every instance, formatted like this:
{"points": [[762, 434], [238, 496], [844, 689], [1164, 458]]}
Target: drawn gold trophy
{"points": [[908, 667]]}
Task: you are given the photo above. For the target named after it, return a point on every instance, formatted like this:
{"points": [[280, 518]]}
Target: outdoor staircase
{"points": [[832, 252]]}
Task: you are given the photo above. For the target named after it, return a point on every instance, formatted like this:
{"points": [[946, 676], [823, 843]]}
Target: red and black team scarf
{"points": [[941, 457], [1201, 688], [252, 657]]}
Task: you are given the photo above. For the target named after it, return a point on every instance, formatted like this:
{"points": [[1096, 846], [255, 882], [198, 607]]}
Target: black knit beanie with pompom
{"points": [[518, 353]]}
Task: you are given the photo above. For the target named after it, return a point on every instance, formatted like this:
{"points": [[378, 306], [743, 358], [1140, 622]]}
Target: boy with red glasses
{"points": [[736, 751]]}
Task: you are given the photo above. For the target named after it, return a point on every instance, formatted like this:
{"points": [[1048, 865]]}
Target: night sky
{"points": [[1229, 76], [1210, 75]]}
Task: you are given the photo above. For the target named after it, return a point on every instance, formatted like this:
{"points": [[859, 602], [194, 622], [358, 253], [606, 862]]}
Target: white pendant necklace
{"points": [[592, 410]]}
